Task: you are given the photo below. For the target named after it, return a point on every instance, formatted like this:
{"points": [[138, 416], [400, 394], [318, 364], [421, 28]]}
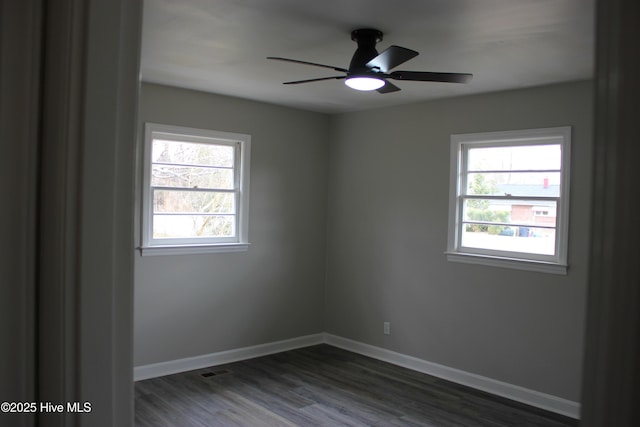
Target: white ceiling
{"points": [[220, 46]]}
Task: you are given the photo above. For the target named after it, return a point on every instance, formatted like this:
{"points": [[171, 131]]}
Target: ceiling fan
{"points": [[369, 70]]}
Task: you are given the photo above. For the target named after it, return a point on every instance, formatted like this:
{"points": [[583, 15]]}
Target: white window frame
{"points": [[240, 242], [460, 144]]}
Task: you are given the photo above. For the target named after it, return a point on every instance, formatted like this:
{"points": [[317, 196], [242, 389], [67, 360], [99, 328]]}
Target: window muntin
{"points": [[196, 187], [509, 196]]}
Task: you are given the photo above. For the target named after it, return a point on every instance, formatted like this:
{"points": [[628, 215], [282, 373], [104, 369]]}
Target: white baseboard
{"points": [[198, 362], [509, 391]]}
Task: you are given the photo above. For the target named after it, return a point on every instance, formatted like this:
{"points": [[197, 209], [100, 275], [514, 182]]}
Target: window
{"points": [[509, 199], [196, 191]]}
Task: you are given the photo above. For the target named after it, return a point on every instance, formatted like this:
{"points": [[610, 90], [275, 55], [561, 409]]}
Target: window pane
{"points": [[193, 226], [193, 202], [532, 157], [190, 153], [515, 239], [505, 211], [537, 184], [191, 177]]}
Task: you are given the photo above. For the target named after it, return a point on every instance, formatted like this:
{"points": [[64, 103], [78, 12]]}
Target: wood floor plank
{"points": [[324, 386]]}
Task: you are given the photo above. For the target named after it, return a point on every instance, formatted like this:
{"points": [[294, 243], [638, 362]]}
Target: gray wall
{"points": [[387, 233], [199, 304]]}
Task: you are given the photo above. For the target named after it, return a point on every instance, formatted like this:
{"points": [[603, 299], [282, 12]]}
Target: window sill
{"points": [[516, 264], [193, 249]]}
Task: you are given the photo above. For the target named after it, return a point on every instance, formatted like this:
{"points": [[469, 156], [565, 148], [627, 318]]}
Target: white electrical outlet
{"points": [[387, 328]]}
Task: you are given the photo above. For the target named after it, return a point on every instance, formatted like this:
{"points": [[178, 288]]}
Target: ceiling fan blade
{"points": [[388, 88], [308, 63], [314, 80], [391, 58], [426, 76]]}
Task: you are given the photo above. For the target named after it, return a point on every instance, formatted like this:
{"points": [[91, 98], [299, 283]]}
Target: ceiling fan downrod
{"points": [[366, 39]]}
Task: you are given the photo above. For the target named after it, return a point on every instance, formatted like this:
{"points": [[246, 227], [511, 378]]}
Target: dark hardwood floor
{"points": [[323, 386]]}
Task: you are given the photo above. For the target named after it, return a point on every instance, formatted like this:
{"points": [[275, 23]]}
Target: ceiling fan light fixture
{"points": [[364, 83]]}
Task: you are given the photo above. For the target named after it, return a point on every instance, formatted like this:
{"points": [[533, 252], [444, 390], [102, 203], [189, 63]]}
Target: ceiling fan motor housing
{"points": [[366, 51]]}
